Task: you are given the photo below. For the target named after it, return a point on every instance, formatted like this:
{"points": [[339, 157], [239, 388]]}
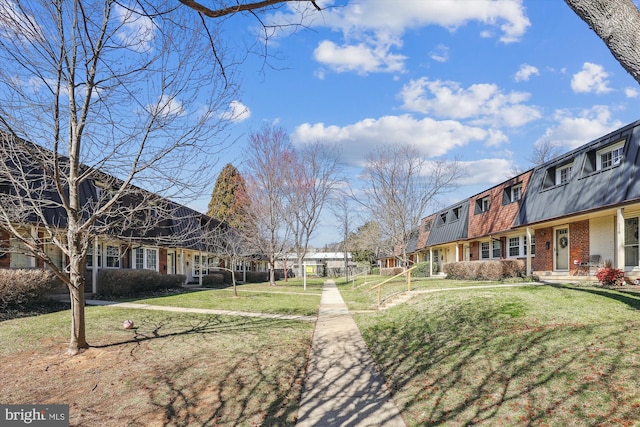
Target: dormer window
{"points": [[456, 213], [442, 219], [609, 156], [482, 205], [512, 194], [563, 174]]}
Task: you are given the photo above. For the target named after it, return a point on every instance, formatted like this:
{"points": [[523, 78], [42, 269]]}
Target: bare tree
{"points": [[218, 11], [616, 22], [400, 186], [342, 206], [543, 151], [122, 97], [309, 182], [270, 156]]}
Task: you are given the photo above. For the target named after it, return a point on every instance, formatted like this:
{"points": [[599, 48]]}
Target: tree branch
{"points": [[217, 13]]}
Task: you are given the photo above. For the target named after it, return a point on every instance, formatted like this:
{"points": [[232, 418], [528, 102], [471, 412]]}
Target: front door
{"points": [[562, 249]]}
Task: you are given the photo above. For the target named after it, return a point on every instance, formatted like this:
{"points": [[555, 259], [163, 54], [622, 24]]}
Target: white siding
{"points": [[602, 234]]}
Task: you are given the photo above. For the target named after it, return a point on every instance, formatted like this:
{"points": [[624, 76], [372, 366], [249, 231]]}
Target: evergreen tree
{"points": [[229, 197]]}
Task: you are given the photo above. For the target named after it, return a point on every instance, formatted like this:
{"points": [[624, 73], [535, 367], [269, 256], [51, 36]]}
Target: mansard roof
{"points": [[450, 224], [582, 180], [178, 226]]}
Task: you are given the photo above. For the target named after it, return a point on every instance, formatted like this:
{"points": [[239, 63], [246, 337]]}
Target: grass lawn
{"points": [[543, 356], [284, 298], [171, 370], [359, 296]]}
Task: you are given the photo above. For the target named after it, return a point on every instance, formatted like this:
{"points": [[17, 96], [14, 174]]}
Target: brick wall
{"points": [[5, 258], [499, 217], [543, 261], [578, 246], [578, 243], [162, 254], [474, 251]]}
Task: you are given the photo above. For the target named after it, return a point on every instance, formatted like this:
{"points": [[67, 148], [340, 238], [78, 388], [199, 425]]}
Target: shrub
{"points": [[422, 269], [610, 276], [390, 271], [375, 271], [212, 279], [25, 286], [127, 282], [484, 270]]}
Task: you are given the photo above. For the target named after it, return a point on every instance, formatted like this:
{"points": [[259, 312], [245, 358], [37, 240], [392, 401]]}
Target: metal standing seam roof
{"points": [[448, 227], [587, 189], [193, 227]]}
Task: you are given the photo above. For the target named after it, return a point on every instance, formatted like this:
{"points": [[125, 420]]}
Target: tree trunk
{"points": [[616, 22], [78, 332], [272, 272]]}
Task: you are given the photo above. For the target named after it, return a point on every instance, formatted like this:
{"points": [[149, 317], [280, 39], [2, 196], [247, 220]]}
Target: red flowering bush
{"points": [[610, 276]]}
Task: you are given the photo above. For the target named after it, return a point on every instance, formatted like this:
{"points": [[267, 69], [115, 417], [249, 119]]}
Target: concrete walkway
{"points": [[343, 387]]}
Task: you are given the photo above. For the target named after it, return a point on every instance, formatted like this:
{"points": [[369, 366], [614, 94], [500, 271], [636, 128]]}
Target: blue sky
{"points": [[481, 81]]}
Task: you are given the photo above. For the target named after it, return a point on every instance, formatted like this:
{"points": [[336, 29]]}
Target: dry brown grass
{"points": [[171, 370]]}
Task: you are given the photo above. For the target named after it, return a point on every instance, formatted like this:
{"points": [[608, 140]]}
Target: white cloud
{"points": [[166, 106], [18, 23], [398, 16], [373, 28], [136, 32], [433, 138], [360, 58], [485, 171], [480, 103], [631, 92], [525, 72], [440, 53], [592, 78], [573, 131], [237, 112]]}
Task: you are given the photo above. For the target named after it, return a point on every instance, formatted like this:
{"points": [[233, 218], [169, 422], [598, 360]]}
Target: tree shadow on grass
{"points": [[219, 370], [470, 364], [630, 298]]}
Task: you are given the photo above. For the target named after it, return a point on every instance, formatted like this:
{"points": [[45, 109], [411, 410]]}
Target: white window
{"points": [[496, 248], [90, 256], [609, 156], [563, 174], [631, 243], [514, 246], [146, 258], [20, 255], [518, 246], [113, 256], [482, 205], [484, 250], [533, 245], [516, 192]]}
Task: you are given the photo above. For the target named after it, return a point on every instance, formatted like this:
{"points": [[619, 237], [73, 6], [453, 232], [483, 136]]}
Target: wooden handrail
{"points": [[379, 285]]}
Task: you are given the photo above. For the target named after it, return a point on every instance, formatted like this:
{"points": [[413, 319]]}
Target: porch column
{"points": [[200, 269], [457, 252], [182, 266], [94, 263], [619, 260], [529, 267], [430, 262]]}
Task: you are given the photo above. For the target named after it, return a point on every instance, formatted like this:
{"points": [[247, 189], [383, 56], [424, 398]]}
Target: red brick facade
{"points": [[543, 261], [578, 246], [5, 260], [500, 216], [578, 243]]}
